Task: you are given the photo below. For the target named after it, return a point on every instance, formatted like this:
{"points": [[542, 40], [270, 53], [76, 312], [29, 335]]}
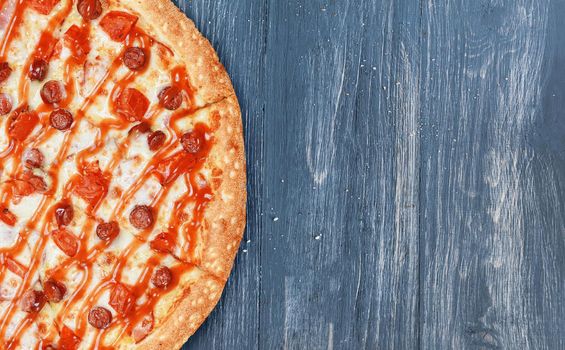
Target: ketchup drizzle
{"points": [[168, 165]]}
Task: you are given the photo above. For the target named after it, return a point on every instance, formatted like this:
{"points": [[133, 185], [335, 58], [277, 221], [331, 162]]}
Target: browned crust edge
{"points": [[223, 236], [174, 29]]}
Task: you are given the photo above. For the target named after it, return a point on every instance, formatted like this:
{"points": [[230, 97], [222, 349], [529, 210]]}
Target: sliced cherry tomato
{"points": [[7, 216], [15, 267], [163, 243], [121, 299], [132, 104], [43, 6], [68, 339], [66, 241], [22, 123], [92, 185], [76, 39], [169, 169], [118, 24]]}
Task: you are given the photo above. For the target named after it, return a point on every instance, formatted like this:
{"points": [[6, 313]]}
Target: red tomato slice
{"points": [[68, 339], [22, 124], [76, 40], [121, 299], [43, 6], [66, 241], [118, 24], [132, 104]]}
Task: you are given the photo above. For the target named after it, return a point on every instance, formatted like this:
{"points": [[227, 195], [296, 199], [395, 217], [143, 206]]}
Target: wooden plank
{"points": [[340, 239], [492, 267], [236, 29]]}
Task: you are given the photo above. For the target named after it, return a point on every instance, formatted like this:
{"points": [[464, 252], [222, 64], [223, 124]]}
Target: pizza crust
{"points": [[175, 30], [225, 216]]}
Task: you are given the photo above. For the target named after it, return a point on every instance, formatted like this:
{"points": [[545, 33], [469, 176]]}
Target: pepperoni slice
{"points": [[134, 58], [99, 317], [141, 217], [43, 6], [5, 104], [7, 216], [67, 242], [171, 97], [22, 123], [38, 69], [61, 119], [142, 328], [76, 39], [33, 158], [162, 277], [163, 243], [191, 142], [118, 24], [52, 92], [107, 231], [32, 301], [140, 128], [156, 140], [89, 9], [5, 71], [54, 290], [69, 340], [121, 299], [64, 214], [132, 104]]}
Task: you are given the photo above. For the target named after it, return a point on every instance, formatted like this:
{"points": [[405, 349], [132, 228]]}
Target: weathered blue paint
{"points": [[406, 165]]}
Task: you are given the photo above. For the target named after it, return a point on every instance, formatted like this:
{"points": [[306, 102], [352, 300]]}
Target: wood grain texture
{"points": [[406, 164]]}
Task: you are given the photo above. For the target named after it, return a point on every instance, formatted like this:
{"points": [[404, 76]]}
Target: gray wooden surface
{"points": [[406, 164]]}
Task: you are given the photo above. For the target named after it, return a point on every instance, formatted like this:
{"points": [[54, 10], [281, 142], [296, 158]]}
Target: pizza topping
{"points": [[163, 243], [118, 24], [156, 140], [28, 184], [33, 158], [52, 92], [76, 39], [66, 241], [191, 142], [99, 317], [43, 6], [32, 301], [5, 104], [89, 9], [171, 98], [22, 123], [107, 231], [5, 71], [162, 277], [132, 104], [134, 58], [69, 340], [92, 185], [38, 69], [142, 328], [121, 299], [54, 290], [141, 217], [140, 128], [15, 266], [61, 119], [64, 214]]}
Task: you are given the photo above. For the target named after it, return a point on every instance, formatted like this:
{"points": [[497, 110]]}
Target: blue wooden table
{"points": [[406, 163]]}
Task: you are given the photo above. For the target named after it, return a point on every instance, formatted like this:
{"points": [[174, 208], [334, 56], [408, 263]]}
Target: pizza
{"points": [[122, 175]]}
